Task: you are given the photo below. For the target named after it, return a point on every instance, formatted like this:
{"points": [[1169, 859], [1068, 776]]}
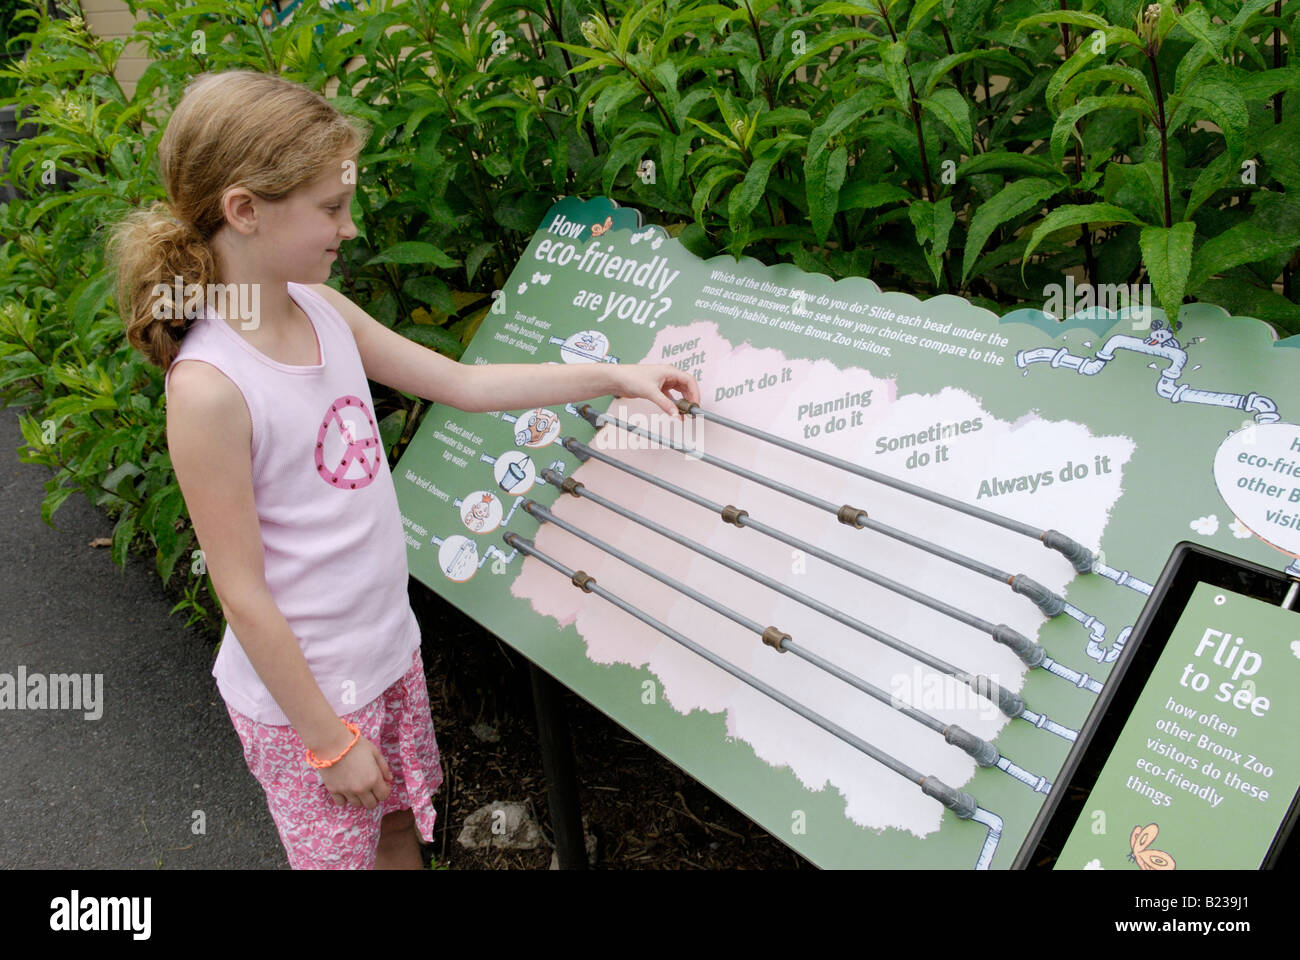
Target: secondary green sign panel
{"points": [[1204, 770], [1104, 427]]}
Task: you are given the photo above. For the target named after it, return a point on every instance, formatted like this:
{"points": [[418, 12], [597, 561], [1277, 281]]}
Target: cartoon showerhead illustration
{"points": [[536, 429]]}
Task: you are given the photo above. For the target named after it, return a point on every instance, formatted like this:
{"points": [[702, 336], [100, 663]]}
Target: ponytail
{"points": [[150, 250]]}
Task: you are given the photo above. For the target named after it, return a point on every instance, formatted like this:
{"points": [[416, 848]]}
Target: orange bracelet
{"points": [[322, 764]]}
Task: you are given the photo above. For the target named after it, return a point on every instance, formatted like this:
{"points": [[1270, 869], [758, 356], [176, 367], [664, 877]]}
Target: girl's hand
{"points": [[653, 381], [361, 778]]}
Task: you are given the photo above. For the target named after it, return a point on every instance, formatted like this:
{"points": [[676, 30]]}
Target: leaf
{"points": [[413, 251], [862, 195], [474, 259], [744, 199], [933, 223], [951, 109], [1248, 10], [824, 42], [840, 117], [673, 158], [1011, 201], [1167, 254], [704, 191], [1003, 160], [1224, 105], [942, 67], [919, 12], [429, 289], [1197, 22], [892, 56], [823, 202], [1064, 126], [1242, 298], [1071, 216], [123, 533], [1066, 72], [391, 427], [1213, 178], [53, 501], [435, 338], [1063, 16], [1112, 73], [1244, 243]]}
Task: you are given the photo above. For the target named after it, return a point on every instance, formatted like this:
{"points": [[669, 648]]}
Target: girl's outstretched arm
{"points": [[391, 359]]}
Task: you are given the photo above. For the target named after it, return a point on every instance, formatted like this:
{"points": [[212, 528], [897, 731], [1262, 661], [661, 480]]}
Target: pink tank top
{"points": [[333, 546]]}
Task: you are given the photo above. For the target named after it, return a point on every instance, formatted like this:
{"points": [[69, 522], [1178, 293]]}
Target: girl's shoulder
{"points": [[345, 308]]}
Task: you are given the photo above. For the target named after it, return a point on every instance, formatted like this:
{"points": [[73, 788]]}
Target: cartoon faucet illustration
{"points": [[1162, 344]]}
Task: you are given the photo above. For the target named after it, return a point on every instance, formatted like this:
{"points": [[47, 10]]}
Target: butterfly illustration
{"points": [[598, 229], [1140, 840]]}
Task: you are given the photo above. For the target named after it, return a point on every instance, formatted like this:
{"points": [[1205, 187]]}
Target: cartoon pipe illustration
{"points": [[1096, 635], [1043, 723], [1079, 556], [1122, 578], [977, 748], [1029, 652], [467, 550], [1048, 602], [994, 823], [1161, 344], [961, 803], [1080, 680], [1011, 704]]}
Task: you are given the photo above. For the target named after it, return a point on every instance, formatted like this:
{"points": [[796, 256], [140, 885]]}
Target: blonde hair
{"points": [[239, 127]]}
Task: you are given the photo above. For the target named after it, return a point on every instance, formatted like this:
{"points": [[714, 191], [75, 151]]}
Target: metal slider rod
{"points": [[979, 749], [1027, 650], [1048, 602], [1011, 704], [1078, 555], [961, 803]]}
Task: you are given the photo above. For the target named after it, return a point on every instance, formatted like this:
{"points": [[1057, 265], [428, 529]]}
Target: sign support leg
{"points": [[559, 768]]}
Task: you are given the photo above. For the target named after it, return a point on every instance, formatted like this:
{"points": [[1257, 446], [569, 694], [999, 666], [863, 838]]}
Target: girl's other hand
{"points": [[653, 381], [362, 777]]}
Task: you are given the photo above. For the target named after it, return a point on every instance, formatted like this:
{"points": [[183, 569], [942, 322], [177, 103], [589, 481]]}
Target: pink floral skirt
{"points": [[319, 834]]}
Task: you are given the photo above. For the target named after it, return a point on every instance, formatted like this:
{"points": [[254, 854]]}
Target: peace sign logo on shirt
{"points": [[347, 456]]}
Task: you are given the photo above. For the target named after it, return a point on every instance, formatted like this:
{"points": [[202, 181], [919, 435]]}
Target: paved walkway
{"points": [[120, 791]]}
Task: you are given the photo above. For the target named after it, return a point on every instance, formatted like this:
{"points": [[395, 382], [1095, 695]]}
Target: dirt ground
{"points": [[644, 812]]}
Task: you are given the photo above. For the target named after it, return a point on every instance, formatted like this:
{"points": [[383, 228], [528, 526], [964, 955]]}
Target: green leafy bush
{"points": [[976, 148]]}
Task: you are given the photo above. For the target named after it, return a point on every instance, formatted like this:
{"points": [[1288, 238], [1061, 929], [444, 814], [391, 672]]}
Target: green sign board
{"points": [[1105, 427], [1205, 768]]}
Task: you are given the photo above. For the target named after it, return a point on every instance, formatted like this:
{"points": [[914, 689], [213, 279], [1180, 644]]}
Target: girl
{"points": [[272, 434]]}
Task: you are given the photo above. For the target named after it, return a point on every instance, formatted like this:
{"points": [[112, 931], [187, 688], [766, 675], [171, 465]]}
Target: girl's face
{"points": [[303, 231]]}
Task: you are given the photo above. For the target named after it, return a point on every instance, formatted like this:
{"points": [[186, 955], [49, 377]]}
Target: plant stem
{"points": [[554, 24], [914, 108], [1277, 61], [1164, 138], [762, 57], [1085, 235]]}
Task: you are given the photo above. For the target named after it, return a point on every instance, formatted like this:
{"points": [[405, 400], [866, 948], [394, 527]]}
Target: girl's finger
{"points": [[383, 764]]}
